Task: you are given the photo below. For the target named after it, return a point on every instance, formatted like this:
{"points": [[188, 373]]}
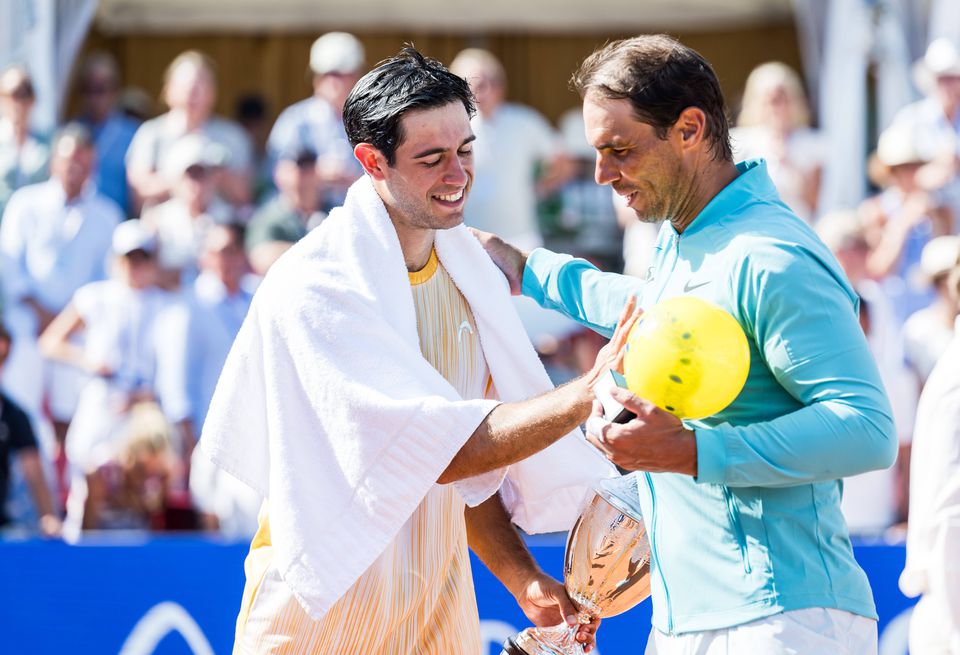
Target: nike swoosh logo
{"points": [[687, 288]]}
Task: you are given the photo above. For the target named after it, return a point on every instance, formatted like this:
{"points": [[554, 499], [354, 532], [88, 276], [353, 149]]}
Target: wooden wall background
{"points": [[538, 65]]}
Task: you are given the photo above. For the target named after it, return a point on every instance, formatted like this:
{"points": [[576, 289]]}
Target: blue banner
{"points": [[180, 595]]}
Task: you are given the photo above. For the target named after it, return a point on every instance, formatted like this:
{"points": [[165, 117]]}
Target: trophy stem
{"points": [[556, 640]]}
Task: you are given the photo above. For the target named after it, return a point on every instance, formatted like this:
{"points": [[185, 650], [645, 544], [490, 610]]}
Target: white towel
{"points": [[327, 406]]}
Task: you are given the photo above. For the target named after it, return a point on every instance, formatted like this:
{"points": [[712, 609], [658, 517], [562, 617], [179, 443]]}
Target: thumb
{"points": [[567, 610], [630, 401]]}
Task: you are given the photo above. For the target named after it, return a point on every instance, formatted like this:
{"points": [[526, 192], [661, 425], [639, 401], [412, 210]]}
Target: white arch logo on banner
{"points": [[161, 620]]}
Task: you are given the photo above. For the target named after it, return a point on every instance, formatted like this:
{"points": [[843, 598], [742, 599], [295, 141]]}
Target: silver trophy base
{"points": [[556, 640]]}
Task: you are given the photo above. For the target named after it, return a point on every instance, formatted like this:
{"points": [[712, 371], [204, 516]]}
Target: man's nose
{"points": [[456, 172], [605, 172]]}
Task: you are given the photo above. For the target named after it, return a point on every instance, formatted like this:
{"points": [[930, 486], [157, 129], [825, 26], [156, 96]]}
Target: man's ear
{"points": [[691, 126], [371, 159]]}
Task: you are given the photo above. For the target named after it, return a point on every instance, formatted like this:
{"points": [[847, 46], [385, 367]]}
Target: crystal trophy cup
{"points": [[606, 568]]}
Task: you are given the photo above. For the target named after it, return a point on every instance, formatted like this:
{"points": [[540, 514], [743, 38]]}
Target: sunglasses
{"points": [[20, 92], [139, 256], [96, 89]]}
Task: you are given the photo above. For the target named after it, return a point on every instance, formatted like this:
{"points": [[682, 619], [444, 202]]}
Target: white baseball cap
{"points": [[336, 52], [193, 150], [133, 235]]}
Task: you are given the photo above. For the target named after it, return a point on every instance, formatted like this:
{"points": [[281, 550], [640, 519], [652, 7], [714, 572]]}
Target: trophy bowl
{"points": [[606, 568]]}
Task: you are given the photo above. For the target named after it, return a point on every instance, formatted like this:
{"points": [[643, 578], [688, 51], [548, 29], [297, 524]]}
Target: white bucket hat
{"points": [[941, 59]]}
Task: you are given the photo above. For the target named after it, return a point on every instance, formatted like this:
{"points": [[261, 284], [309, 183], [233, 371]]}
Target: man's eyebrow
{"points": [[612, 145], [436, 151]]}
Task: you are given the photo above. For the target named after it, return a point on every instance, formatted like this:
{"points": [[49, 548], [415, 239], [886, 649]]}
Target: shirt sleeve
{"points": [[806, 328], [578, 289], [21, 432], [142, 153]]}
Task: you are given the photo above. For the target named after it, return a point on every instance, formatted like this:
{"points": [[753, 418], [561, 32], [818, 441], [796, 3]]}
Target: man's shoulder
{"points": [[18, 422]]}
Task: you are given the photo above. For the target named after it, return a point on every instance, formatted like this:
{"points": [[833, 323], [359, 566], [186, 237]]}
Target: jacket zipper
{"points": [[656, 558], [737, 529]]}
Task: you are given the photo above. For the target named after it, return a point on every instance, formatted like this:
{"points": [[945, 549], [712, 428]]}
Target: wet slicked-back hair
{"points": [[406, 82], [660, 77]]}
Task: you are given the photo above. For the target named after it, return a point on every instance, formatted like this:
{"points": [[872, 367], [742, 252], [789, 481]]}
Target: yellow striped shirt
{"points": [[417, 597]]}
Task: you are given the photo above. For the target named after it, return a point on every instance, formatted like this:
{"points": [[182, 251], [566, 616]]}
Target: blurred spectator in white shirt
{"points": [[902, 219], [336, 61], [218, 303], [294, 211], [518, 157], [24, 154], [112, 131], [54, 238], [129, 343], [774, 123], [180, 223], [875, 501], [189, 90], [932, 568], [928, 332]]}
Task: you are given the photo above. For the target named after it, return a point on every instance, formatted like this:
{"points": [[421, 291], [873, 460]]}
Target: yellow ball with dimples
{"points": [[688, 357]]}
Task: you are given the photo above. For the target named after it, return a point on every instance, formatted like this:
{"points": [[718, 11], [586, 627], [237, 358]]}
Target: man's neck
{"points": [[703, 187], [416, 244]]}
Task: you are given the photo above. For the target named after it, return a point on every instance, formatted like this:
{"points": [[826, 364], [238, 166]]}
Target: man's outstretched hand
{"points": [[508, 259]]}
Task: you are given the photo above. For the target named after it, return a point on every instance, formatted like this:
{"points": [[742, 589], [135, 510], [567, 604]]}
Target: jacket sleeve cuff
{"points": [[711, 456]]}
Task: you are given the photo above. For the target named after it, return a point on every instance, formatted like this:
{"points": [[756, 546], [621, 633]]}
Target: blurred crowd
{"points": [[131, 246]]}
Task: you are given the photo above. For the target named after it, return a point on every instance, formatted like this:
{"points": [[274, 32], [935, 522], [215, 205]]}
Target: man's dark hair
{"points": [[406, 82], [660, 77]]}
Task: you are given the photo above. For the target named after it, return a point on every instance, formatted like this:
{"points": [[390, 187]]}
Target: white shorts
{"points": [[814, 631]]}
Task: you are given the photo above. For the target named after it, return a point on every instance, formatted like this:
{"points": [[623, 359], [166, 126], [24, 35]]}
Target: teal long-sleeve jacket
{"points": [[759, 529]]}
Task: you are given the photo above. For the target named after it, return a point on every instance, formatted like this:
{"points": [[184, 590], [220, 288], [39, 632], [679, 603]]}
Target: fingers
{"points": [[628, 316], [597, 408], [587, 634], [600, 444], [597, 423]]}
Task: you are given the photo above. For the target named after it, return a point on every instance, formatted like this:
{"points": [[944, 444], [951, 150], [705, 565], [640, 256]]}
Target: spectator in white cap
{"points": [[180, 223], [189, 90], [336, 61], [935, 119], [928, 331], [128, 333], [903, 218]]}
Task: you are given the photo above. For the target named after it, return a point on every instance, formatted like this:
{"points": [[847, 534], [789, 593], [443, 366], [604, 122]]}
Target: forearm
{"points": [[824, 441], [499, 546], [33, 474], [64, 351], [514, 431], [578, 289]]}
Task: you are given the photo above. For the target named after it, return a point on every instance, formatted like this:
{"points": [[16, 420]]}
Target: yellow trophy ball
{"points": [[688, 357]]}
